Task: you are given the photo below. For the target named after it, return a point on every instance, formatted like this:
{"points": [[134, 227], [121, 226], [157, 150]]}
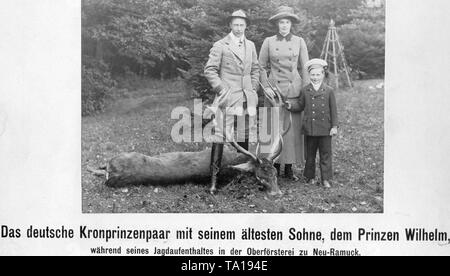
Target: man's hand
{"points": [[269, 92], [333, 131]]}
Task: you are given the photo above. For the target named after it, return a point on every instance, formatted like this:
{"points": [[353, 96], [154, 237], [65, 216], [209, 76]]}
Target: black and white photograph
{"points": [[149, 66]]}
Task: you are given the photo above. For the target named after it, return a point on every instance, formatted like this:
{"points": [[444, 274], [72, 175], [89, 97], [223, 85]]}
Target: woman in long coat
{"points": [[281, 58]]}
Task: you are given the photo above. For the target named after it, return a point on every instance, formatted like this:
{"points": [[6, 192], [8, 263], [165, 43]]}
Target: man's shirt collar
{"points": [[236, 39]]}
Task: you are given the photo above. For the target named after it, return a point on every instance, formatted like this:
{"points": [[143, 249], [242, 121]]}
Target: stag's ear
{"points": [[246, 167]]}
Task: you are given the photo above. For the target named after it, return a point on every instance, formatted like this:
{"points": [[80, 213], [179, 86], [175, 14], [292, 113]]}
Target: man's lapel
{"points": [[233, 48], [248, 53]]}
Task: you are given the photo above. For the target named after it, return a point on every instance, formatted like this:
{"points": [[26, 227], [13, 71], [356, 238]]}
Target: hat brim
{"points": [[293, 17], [232, 17], [316, 66], [316, 63]]}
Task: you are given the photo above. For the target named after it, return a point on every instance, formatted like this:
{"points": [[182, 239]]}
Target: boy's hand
{"points": [[333, 131]]}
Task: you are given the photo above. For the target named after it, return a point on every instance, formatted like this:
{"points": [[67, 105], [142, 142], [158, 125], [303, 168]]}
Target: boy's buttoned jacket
{"points": [[237, 75], [320, 110]]}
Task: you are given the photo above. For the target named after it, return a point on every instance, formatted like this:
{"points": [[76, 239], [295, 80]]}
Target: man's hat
{"points": [[239, 14], [284, 12], [316, 63]]}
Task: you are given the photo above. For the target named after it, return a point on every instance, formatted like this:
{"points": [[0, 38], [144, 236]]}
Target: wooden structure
{"points": [[333, 53]]}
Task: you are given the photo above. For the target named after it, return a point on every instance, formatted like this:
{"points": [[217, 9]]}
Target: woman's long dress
{"points": [[280, 59]]}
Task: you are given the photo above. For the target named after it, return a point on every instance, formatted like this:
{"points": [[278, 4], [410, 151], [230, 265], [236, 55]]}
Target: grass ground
{"points": [[141, 122]]}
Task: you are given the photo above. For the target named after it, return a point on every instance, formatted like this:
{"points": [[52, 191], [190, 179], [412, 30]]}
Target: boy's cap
{"points": [[316, 63]]}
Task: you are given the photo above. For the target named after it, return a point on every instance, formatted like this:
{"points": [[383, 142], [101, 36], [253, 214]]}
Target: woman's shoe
{"points": [[289, 173]]}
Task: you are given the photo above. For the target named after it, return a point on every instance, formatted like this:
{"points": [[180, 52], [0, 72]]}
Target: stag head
{"points": [[263, 168]]}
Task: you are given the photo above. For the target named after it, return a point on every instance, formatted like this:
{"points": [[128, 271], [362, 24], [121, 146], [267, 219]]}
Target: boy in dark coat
{"points": [[320, 122]]}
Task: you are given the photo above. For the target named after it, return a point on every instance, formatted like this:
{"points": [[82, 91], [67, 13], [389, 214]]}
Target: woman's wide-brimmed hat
{"points": [[239, 14], [284, 12]]}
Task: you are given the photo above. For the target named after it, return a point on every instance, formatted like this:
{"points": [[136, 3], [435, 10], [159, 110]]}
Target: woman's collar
{"points": [[280, 37]]}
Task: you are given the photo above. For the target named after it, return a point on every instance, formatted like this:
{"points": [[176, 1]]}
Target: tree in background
{"points": [[170, 38], [97, 86], [146, 36], [141, 37], [364, 41], [321, 12]]}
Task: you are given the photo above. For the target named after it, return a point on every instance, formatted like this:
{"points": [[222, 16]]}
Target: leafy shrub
{"points": [[364, 42], [97, 86]]}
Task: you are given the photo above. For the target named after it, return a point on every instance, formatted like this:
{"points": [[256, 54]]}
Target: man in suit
{"points": [[233, 73]]}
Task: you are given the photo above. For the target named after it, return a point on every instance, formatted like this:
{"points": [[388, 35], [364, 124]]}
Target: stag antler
{"points": [[279, 102], [263, 168], [282, 100], [244, 151], [276, 101], [276, 152]]}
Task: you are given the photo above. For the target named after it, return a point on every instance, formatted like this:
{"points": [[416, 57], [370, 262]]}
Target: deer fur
{"points": [[169, 168]]}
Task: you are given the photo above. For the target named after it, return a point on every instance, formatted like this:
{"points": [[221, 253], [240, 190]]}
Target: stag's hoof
{"points": [[213, 191]]}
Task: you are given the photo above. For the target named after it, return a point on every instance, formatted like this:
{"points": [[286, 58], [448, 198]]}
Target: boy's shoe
{"points": [[327, 184], [311, 182]]}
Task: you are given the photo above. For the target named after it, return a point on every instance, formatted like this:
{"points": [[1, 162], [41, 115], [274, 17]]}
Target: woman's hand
{"points": [[333, 131], [288, 105]]}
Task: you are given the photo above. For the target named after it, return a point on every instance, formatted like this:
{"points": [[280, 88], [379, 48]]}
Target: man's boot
{"points": [[244, 145], [278, 167], [216, 162]]}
